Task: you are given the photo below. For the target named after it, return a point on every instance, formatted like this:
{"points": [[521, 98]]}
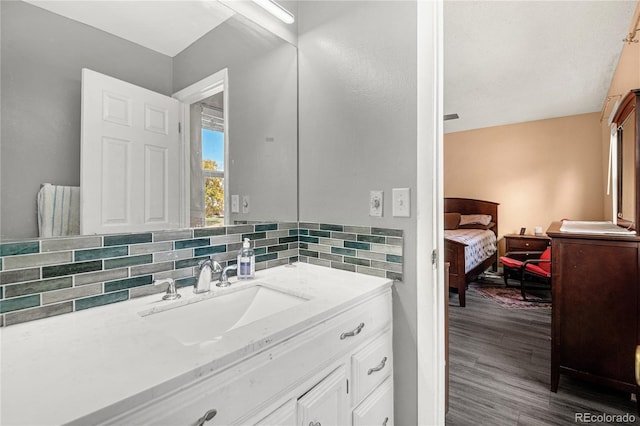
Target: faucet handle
{"points": [[172, 293], [216, 267]]}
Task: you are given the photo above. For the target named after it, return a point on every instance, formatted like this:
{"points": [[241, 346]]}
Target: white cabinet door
{"points": [[326, 404], [285, 415], [130, 157], [377, 408]]}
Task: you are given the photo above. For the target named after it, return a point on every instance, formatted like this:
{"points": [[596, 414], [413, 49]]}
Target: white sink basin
{"points": [[208, 318]]}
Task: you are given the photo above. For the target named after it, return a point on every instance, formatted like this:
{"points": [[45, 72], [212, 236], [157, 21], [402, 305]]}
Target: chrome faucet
{"points": [[224, 279], [205, 267]]}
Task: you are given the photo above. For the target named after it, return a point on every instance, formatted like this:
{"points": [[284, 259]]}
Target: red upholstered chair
{"points": [[528, 271]]}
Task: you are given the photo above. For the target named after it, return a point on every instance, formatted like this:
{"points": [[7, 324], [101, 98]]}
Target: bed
{"points": [[470, 248]]}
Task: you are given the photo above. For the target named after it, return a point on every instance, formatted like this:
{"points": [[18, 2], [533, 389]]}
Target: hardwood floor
{"points": [[499, 371]]}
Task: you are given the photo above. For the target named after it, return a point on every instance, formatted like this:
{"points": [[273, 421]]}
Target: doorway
{"points": [[205, 147]]}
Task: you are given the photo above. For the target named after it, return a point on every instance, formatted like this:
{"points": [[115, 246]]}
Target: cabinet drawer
{"points": [[371, 365], [377, 408]]}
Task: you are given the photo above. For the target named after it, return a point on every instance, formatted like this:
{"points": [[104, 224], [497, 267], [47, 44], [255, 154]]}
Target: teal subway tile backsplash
{"points": [[101, 300], [357, 245], [101, 253], [31, 287], [8, 277], [199, 242], [368, 250], [125, 239], [12, 249], [127, 283], [123, 262], [17, 303], [44, 278], [71, 268], [203, 251]]}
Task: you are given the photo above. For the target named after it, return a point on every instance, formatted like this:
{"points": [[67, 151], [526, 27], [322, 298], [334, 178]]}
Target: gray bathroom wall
{"points": [[358, 124], [42, 57], [262, 124]]}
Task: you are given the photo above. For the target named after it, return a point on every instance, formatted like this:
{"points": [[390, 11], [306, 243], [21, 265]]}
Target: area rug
{"points": [[509, 297]]}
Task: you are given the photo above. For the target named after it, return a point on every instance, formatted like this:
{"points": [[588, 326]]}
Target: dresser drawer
{"points": [[371, 365], [526, 244]]}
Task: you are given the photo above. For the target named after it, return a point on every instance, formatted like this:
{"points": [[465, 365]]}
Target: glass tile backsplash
{"points": [[43, 278]]}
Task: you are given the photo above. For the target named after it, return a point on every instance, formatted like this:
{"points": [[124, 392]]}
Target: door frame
{"points": [[430, 300], [198, 91]]}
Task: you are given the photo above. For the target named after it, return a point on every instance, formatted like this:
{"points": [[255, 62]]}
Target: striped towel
{"points": [[58, 210]]}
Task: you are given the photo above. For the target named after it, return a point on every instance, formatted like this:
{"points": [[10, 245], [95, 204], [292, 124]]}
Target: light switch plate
{"points": [[401, 202], [375, 203], [235, 204], [245, 204]]}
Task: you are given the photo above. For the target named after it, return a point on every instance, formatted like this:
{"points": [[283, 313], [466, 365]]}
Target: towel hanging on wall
{"points": [[58, 210]]}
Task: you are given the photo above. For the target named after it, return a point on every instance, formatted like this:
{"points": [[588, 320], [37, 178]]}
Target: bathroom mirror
{"points": [[43, 54]]}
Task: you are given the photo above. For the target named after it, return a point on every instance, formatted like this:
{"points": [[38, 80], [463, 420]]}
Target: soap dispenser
{"points": [[246, 261]]}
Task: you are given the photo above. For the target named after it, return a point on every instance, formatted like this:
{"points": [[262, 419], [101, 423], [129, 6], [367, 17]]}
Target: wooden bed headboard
{"points": [[470, 206]]}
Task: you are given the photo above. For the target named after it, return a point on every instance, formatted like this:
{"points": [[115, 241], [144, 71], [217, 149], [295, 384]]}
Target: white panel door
{"points": [[327, 403], [130, 157]]}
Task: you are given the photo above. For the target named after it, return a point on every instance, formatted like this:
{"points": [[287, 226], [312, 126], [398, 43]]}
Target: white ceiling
{"points": [[504, 61], [165, 26], [515, 61]]}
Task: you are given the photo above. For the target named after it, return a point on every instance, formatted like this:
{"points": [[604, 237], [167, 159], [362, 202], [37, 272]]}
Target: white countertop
{"points": [[105, 360]]}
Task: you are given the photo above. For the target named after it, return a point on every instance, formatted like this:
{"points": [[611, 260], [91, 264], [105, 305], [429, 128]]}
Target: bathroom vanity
{"points": [[298, 345]]}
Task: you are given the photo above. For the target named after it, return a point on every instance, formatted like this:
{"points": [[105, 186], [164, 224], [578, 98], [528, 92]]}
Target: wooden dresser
{"points": [[596, 308]]}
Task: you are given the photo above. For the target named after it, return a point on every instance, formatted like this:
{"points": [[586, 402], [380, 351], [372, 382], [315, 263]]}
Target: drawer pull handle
{"points": [[352, 333], [315, 424], [378, 367], [386, 420], [207, 416]]}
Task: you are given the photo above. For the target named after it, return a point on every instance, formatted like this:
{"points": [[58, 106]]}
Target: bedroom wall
{"points": [[625, 78], [539, 171]]}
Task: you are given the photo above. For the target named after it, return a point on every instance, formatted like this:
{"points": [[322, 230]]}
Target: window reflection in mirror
{"points": [[208, 173]]}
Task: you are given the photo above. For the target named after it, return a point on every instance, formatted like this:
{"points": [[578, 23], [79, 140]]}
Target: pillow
{"points": [[482, 219], [477, 226], [451, 220]]}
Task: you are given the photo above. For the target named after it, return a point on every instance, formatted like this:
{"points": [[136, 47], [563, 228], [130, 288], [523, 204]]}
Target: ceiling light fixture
{"points": [[453, 116], [276, 10]]}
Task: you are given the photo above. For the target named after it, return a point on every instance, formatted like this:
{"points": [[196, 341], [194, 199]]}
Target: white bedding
{"points": [[480, 243]]}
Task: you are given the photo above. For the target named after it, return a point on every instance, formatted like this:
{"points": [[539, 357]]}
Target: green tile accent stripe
{"points": [[123, 262], [101, 253], [127, 283], [126, 239], [88, 271], [12, 249], [18, 303], [101, 300]]}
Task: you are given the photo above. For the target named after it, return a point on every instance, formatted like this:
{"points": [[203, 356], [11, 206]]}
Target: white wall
{"points": [[357, 132]]}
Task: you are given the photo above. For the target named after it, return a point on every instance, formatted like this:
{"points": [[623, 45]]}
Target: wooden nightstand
{"points": [[523, 247]]}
